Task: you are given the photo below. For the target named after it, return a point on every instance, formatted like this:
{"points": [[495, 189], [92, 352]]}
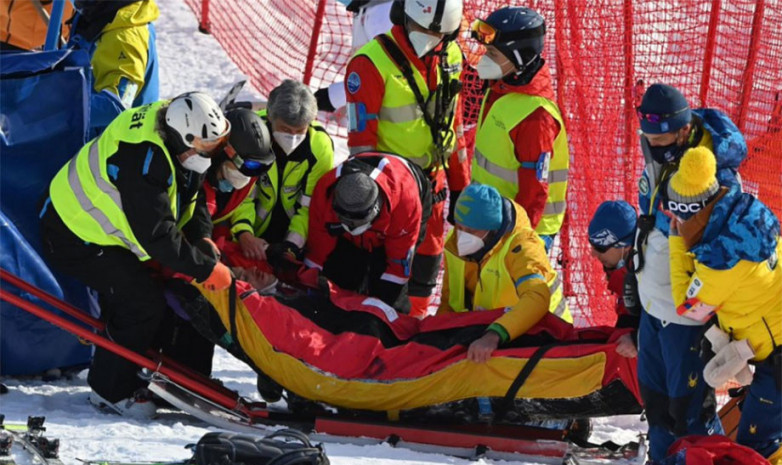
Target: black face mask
{"points": [[667, 153]]}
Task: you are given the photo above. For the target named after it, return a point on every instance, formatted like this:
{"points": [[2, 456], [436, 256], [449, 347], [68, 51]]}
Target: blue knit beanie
{"points": [[613, 224], [668, 108], [479, 207]]}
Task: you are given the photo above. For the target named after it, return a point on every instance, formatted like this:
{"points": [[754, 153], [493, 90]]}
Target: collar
{"points": [[692, 230], [540, 86]]}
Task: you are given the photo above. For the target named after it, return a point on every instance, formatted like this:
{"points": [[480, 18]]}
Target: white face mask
{"points": [[422, 42], [359, 230], [287, 141], [489, 69], [237, 179], [195, 162], [467, 244]]}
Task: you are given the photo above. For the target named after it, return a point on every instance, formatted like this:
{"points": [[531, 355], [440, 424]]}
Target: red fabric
{"points": [[291, 333], [237, 197], [395, 228], [714, 450], [232, 256], [435, 228], [531, 137], [616, 279]]}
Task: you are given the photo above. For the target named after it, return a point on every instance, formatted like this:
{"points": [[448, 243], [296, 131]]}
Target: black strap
{"points": [[610, 446], [510, 396]]}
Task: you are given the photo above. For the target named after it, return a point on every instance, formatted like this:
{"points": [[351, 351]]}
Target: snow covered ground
{"points": [[192, 61]]}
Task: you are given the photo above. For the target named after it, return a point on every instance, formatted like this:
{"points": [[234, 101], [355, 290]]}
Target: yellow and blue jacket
{"points": [[733, 269]]}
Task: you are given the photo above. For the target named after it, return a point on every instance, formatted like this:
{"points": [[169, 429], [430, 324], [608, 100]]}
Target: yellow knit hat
{"points": [[694, 183]]}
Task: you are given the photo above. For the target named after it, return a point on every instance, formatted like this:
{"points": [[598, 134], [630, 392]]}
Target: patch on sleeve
{"points": [[696, 310], [354, 82], [643, 185], [695, 287]]}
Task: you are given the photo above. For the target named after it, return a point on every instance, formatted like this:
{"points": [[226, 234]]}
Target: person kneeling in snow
{"points": [[724, 259], [494, 260]]}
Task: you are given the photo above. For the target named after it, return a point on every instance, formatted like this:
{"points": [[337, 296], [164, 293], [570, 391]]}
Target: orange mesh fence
{"points": [[724, 55]]}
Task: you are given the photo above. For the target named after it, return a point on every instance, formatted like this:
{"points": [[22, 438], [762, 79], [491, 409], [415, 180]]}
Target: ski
{"points": [[230, 97], [32, 440], [497, 442]]}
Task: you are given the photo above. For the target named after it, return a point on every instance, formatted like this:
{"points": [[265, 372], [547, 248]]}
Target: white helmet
{"points": [[196, 115], [443, 16]]}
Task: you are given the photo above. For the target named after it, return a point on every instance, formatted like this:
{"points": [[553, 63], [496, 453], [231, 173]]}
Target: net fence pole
{"points": [[708, 57], [749, 70], [313, 50], [629, 58], [204, 25]]}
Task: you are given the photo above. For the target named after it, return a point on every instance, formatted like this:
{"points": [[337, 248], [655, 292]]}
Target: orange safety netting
{"points": [[726, 55]]}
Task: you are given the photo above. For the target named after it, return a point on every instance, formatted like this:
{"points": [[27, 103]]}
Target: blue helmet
{"points": [[519, 34]]}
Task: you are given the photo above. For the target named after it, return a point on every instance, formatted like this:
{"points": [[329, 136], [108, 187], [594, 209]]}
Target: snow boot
{"points": [[137, 406]]}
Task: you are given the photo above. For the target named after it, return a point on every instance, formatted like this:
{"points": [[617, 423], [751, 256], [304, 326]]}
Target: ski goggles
{"points": [[655, 117], [247, 167], [487, 34], [353, 220]]}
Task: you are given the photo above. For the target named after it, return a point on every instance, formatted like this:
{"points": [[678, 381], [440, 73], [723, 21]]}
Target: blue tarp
{"points": [[44, 112]]}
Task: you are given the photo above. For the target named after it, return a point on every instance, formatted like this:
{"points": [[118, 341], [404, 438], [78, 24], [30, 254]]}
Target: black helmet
{"points": [[249, 146], [518, 33], [356, 199]]}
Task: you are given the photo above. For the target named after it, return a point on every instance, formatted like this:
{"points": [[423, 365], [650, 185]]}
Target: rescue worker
{"points": [[677, 400], [521, 145], [278, 210], [417, 115], [494, 259], [120, 36], [368, 216], [611, 235], [370, 18], [23, 25], [724, 259], [234, 171], [128, 197]]}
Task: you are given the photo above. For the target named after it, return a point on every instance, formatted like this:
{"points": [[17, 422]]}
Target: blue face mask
{"points": [[620, 264], [225, 186]]}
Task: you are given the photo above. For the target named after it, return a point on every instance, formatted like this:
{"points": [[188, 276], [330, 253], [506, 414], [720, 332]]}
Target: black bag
{"points": [[239, 449]]}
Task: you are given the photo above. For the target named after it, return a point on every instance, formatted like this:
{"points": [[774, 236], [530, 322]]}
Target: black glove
{"points": [[206, 246], [630, 294], [238, 105], [452, 206], [324, 102], [280, 253]]}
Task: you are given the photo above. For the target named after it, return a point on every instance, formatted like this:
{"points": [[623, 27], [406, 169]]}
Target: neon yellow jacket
{"points": [[515, 274]]}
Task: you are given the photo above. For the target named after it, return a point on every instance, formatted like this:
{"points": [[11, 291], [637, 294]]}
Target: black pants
{"points": [[132, 306]]}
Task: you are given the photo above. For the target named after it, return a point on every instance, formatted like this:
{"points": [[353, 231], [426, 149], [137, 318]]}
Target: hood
{"points": [[740, 227]]}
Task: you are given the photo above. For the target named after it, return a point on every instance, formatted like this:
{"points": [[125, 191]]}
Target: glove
{"points": [[728, 362], [209, 248], [630, 296], [220, 278], [324, 102], [452, 206], [714, 340], [281, 253]]}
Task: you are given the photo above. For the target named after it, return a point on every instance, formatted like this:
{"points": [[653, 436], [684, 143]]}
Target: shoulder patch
{"points": [[643, 185], [354, 82]]}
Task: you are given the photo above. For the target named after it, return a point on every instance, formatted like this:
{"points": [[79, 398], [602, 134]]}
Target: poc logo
{"points": [[684, 207]]}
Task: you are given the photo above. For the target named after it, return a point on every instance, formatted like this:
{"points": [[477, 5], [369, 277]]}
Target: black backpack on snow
{"points": [[239, 449]]}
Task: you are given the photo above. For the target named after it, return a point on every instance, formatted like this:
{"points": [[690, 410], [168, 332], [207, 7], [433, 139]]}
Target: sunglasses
{"points": [[606, 248], [245, 166], [656, 118], [487, 34], [354, 220]]}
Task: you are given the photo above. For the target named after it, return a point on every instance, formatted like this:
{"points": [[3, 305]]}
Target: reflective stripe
{"points": [[290, 211], [312, 264], [403, 114], [554, 208], [86, 204], [495, 170], [360, 149], [388, 310], [561, 307], [554, 286], [262, 213], [296, 238], [305, 200], [393, 278], [558, 175], [528, 277]]}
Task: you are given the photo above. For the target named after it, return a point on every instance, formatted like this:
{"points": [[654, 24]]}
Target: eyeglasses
{"points": [[245, 166], [656, 118]]}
